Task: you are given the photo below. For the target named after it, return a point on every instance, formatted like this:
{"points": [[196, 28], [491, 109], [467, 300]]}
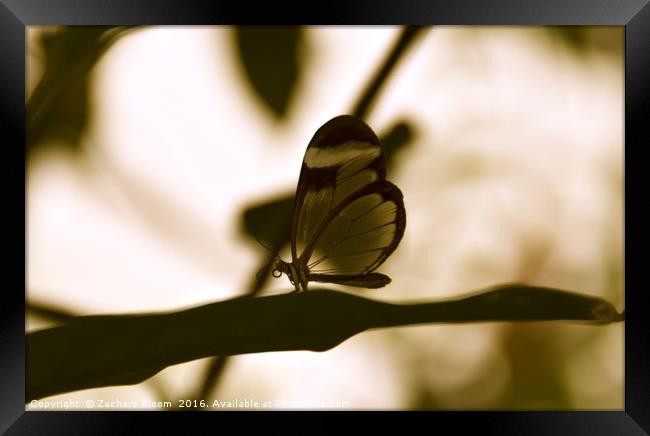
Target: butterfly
{"points": [[347, 218]]}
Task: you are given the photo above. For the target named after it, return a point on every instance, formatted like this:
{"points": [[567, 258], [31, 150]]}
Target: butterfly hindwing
{"points": [[361, 232], [369, 280], [347, 218]]}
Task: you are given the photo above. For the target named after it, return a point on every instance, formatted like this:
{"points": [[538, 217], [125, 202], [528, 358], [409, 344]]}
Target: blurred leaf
{"points": [[270, 221], [582, 39], [58, 109], [270, 57], [398, 137], [107, 350], [537, 369], [574, 36]]}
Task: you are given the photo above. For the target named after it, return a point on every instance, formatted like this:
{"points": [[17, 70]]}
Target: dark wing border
{"points": [[334, 132]]}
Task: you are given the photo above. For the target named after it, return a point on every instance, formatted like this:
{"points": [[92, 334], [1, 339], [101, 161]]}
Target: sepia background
{"points": [[154, 153]]}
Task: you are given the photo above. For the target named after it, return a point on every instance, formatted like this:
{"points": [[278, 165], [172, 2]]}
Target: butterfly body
{"points": [[347, 217], [299, 277], [297, 273]]}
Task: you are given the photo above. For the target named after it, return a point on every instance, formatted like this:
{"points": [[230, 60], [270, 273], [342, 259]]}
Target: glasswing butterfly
{"points": [[347, 218]]}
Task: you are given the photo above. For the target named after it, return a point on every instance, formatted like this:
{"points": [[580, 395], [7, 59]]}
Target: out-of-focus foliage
{"points": [[58, 109], [582, 38], [270, 58], [269, 220], [397, 138]]}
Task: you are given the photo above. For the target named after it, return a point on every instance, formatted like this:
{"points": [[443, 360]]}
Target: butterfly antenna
{"points": [[269, 265], [273, 252]]}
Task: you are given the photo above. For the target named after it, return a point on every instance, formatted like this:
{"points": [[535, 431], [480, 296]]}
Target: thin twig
{"points": [[371, 91]]}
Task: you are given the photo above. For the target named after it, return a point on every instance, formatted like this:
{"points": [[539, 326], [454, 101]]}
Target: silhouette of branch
{"points": [[49, 312], [106, 350], [370, 92]]}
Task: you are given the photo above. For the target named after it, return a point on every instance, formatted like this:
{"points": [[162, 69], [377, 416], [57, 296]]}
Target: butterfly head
{"points": [[278, 267], [296, 276]]}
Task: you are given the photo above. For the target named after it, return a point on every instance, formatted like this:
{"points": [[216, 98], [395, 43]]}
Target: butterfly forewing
{"points": [[347, 219]]}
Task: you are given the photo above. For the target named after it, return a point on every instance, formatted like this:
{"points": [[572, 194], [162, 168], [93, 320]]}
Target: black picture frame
{"points": [[15, 15]]}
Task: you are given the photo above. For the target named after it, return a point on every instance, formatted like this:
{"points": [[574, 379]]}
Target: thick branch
{"points": [[107, 350]]}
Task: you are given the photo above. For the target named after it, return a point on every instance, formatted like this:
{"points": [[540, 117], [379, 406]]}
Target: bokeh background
{"points": [[154, 152]]}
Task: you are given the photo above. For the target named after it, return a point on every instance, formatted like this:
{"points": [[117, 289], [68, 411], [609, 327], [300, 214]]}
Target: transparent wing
{"points": [[343, 156], [360, 233], [348, 219]]}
